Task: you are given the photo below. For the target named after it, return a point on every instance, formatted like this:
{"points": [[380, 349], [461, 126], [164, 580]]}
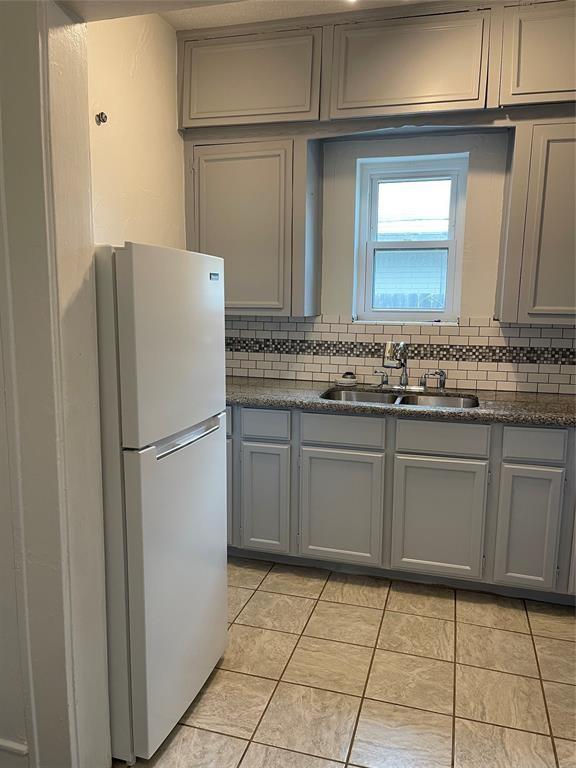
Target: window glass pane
{"points": [[414, 210], [410, 279]]}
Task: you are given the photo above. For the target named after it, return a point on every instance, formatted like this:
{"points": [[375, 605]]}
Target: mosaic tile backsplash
{"points": [[479, 353]]}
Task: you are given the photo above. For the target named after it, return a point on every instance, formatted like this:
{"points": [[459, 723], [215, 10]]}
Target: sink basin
{"points": [[432, 400], [440, 401], [359, 396]]}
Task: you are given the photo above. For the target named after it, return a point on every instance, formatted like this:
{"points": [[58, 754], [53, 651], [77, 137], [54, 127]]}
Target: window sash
{"points": [[375, 180], [424, 314]]}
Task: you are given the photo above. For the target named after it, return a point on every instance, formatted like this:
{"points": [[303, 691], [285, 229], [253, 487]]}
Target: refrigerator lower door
{"points": [[176, 557]]}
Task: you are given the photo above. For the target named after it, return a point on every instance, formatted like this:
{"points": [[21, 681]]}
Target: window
{"points": [[409, 221]]}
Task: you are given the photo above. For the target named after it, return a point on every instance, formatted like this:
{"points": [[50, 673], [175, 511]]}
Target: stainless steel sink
{"points": [[432, 400], [360, 396], [440, 401]]}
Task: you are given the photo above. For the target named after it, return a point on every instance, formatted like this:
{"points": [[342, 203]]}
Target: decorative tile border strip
{"points": [[456, 352]]}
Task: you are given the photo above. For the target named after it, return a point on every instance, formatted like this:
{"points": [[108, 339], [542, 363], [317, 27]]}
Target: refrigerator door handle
{"points": [[173, 444]]}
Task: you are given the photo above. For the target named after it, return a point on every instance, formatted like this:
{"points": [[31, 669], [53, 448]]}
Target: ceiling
{"points": [[195, 14], [247, 11]]}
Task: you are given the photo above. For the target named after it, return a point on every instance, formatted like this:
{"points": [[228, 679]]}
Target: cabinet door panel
{"points": [[539, 45], [548, 285], [438, 515], [341, 504], [260, 78], [244, 209], [229, 489], [408, 65], [265, 496], [529, 512]]}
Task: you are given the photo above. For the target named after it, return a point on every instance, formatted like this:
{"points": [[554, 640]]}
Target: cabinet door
{"points": [[265, 496], [244, 210], [229, 489], [410, 65], [341, 505], [539, 46], [572, 574], [438, 515], [548, 282], [529, 512], [260, 78]]}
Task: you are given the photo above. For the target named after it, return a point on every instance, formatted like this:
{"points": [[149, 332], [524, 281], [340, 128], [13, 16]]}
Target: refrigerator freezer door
{"points": [[176, 551], [170, 307]]}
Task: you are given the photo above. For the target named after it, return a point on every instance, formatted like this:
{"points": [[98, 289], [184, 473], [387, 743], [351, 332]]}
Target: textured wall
{"points": [[137, 156]]}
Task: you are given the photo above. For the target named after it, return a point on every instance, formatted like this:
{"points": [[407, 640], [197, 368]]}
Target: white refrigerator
{"points": [[162, 381]]}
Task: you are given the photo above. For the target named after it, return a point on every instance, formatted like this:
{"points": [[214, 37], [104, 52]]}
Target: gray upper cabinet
{"points": [[410, 65], [539, 46], [529, 511], [243, 200], [341, 504], [261, 78], [438, 515], [537, 274], [548, 284], [265, 499]]}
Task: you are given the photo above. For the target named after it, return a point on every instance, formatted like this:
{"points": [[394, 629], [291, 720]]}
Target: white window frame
{"points": [[370, 171]]}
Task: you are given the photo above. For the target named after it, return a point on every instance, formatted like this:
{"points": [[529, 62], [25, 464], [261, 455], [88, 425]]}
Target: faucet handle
{"points": [[440, 374]]}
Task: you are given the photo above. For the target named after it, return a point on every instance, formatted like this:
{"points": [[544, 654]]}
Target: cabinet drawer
{"points": [[260, 423], [443, 438], [228, 421], [535, 444], [360, 431]]}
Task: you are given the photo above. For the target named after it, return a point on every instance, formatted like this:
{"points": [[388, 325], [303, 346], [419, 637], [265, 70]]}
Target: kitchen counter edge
{"points": [[538, 409]]}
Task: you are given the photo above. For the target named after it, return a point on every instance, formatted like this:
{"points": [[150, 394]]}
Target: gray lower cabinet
{"points": [[572, 575], [265, 496], [229, 489], [438, 515], [529, 510], [341, 504]]}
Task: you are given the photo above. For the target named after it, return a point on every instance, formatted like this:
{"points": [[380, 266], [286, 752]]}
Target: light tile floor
{"points": [[326, 670]]}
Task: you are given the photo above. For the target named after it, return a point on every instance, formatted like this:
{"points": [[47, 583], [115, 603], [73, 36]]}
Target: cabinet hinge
{"points": [[489, 477], [483, 564], [557, 577]]}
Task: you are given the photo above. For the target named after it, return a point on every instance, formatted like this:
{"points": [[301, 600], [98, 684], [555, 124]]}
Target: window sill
{"points": [[400, 323]]}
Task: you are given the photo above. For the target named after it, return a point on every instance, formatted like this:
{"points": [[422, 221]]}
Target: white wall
{"points": [[74, 254], [486, 177], [49, 354], [137, 156]]}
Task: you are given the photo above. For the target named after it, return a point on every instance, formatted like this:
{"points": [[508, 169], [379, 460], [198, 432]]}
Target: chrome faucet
{"points": [[439, 374], [395, 356]]}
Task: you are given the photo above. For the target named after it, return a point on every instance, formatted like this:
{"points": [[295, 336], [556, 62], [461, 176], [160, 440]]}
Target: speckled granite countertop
{"points": [[496, 407]]}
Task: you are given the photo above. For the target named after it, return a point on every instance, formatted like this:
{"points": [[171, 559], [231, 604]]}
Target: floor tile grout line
{"points": [[392, 650], [374, 648], [278, 681], [363, 697], [402, 706], [544, 699]]}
